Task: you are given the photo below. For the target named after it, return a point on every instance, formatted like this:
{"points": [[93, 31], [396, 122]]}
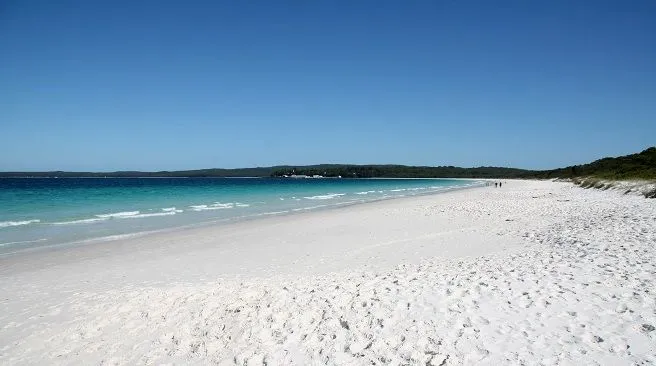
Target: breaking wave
{"points": [[17, 223], [325, 196]]}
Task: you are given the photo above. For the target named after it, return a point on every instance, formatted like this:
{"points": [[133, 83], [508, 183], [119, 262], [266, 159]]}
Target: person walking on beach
{"points": [[495, 184], [499, 184]]}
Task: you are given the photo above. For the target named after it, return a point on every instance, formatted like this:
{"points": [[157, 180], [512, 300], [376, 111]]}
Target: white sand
{"points": [[532, 273]]}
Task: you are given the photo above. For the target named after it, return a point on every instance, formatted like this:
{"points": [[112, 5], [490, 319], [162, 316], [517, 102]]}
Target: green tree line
{"points": [[635, 166]]}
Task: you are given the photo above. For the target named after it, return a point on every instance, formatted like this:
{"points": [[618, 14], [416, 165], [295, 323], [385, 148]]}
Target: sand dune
{"points": [[532, 273]]}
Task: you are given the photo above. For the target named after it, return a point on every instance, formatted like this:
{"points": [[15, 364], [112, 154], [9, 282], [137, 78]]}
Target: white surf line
{"points": [[22, 242]]}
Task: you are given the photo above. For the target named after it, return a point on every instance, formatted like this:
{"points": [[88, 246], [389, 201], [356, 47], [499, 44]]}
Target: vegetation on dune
{"points": [[646, 188], [604, 173]]}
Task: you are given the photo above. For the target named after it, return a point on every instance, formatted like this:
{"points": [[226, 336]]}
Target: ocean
{"points": [[43, 212]]}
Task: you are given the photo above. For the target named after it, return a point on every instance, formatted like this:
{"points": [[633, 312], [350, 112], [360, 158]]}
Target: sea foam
{"points": [[215, 206], [118, 214], [325, 196], [22, 242], [154, 214], [172, 209], [121, 215], [17, 223], [82, 221]]}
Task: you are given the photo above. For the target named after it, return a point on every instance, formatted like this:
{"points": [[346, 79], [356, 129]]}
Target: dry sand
{"points": [[531, 273]]}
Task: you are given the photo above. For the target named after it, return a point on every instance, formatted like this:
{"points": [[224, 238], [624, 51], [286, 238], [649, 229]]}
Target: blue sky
{"points": [[154, 85]]}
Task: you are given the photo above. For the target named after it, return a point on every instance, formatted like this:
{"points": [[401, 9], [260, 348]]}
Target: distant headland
{"points": [[635, 166]]}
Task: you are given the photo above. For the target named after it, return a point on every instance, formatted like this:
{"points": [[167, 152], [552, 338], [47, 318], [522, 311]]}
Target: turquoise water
{"points": [[38, 212]]}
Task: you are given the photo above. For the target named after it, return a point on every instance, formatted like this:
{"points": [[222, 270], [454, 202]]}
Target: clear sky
{"points": [[154, 85]]}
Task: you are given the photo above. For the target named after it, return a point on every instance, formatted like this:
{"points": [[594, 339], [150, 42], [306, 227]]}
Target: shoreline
{"points": [[150, 240], [536, 271], [232, 220]]}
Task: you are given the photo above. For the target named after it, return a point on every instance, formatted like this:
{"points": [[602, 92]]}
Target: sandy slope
{"points": [[535, 272]]}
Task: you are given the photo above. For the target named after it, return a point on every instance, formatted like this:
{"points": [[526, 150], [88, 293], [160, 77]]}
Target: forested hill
{"points": [[345, 171], [400, 171], [635, 166]]}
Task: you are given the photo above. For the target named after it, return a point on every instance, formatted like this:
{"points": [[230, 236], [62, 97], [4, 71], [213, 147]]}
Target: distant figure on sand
{"points": [[499, 184], [495, 184]]}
